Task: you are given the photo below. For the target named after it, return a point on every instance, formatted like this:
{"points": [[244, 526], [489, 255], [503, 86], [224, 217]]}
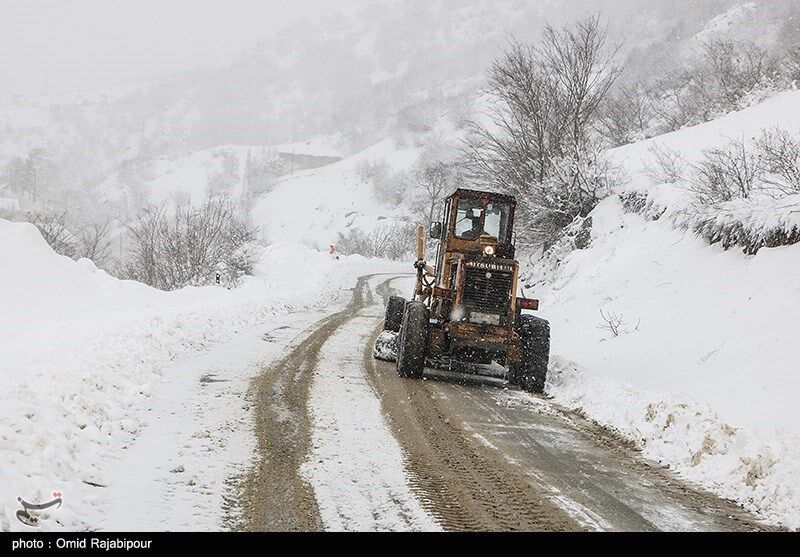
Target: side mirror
{"points": [[436, 230]]}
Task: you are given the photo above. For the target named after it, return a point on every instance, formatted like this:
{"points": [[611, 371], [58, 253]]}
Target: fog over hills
{"points": [[354, 79]]}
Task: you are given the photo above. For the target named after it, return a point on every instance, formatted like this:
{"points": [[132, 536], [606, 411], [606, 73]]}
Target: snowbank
{"points": [[701, 372], [705, 349], [758, 470], [716, 325], [83, 353]]}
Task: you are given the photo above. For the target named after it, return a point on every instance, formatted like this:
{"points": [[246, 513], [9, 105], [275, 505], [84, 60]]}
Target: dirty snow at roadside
{"points": [[90, 363]]}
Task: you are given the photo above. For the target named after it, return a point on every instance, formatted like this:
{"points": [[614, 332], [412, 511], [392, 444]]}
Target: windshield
{"points": [[496, 222], [495, 218], [468, 219]]}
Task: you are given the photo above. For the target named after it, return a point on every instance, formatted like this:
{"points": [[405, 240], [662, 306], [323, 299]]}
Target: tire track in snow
{"points": [[356, 467], [315, 429]]}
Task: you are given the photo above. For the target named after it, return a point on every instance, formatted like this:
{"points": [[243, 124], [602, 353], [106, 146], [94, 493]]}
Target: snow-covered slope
{"points": [[356, 76], [780, 111], [703, 374], [186, 176], [312, 207]]}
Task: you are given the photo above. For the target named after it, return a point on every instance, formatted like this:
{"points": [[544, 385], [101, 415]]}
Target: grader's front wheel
{"points": [[412, 346], [531, 372], [394, 314]]}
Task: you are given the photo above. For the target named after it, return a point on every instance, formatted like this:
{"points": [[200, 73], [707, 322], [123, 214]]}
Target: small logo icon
{"points": [[29, 518]]}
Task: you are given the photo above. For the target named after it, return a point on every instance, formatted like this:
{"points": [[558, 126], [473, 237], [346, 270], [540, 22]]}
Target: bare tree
{"points": [[674, 102], [792, 64], [524, 133], [537, 145], [433, 181], [31, 176], [221, 181], [718, 79], [732, 70], [584, 70], [94, 242], [260, 171], [145, 248], [389, 186], [53, 226], [625, 116]]}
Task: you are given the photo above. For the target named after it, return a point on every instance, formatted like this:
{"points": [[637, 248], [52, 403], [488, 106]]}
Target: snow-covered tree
{"points": [[32, 176], [538, 145], [220, 182]]}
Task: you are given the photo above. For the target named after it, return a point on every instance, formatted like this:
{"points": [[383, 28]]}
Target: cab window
{"points": [[468, 219], [496, 221]]}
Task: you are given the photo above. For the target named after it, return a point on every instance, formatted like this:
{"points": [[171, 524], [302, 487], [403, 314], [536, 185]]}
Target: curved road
{"points": [[474, 455]]}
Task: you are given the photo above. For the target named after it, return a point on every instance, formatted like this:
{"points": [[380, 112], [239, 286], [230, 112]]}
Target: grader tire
{"points": [[394, 314], [531, 372], [412, 346]]}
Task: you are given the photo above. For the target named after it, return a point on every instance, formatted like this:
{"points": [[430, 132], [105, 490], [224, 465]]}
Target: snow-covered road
{"points": [[345, 444], [356, 467], [180, 473], [327, 458]]}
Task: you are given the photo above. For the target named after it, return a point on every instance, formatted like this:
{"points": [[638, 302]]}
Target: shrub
{"points": [[724, 75], [390, 241], [54, 228], [666, 166], [572, 188], [387, 185], [730, 172], [94, 242], [190, 246], [780, 153]]}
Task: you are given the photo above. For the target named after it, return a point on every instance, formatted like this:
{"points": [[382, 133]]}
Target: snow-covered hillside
{"points": [[703, 371], [780, 111], [187, 176], [312, 207]]}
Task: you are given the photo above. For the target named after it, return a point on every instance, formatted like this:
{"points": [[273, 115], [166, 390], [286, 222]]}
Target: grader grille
{"points": [[487, 290]]}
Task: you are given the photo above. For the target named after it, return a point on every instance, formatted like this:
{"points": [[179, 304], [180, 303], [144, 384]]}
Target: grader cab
{"points": [[465, 307]]}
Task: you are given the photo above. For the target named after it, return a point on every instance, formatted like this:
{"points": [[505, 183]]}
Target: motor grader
{"points": [[464, 308]]}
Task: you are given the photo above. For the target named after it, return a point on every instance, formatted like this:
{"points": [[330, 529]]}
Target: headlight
{"points": [[488, 250]]}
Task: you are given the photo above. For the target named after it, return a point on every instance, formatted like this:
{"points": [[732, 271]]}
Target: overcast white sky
{"points": [[54, 46]]}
